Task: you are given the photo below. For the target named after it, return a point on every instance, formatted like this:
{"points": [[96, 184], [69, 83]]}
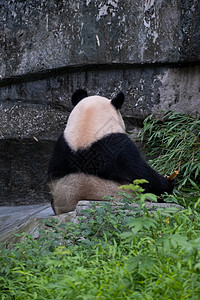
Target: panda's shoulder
{"points": [[62, 145], [115, 141]]}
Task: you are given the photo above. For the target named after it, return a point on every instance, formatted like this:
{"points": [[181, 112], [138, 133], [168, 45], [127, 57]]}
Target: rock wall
{"points": [[45, 34], [149, 49]]}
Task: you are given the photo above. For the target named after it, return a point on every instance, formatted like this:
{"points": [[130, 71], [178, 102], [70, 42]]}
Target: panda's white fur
{"points": [[72, 188], [92, 119]]}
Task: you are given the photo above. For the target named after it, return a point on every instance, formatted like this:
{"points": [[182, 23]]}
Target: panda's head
{"points": [[93, 118], [80, 94]]}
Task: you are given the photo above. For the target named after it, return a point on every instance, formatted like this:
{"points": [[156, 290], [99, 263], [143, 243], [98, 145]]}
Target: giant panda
{"points": [[94, 155]]}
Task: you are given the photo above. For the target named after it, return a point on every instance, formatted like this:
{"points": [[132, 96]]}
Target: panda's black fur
{"points": [[114, 157]]}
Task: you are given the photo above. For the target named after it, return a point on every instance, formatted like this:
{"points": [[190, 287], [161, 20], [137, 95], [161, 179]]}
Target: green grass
{"points": [[114, 252]]}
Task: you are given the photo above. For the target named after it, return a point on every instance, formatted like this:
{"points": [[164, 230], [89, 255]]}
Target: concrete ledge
{"points": [[19, 219]]}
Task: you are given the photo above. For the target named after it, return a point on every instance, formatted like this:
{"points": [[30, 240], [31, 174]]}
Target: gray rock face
{"points": [[40, 35], [23, 173], [40, 108], [148, 49]]}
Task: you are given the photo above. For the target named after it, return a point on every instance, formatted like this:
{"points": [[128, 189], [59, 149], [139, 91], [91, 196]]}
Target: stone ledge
{"points": [[19, 219]]}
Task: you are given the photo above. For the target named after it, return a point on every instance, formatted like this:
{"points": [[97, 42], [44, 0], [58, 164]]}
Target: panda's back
{"points": [[92, 172], [108, 158]]}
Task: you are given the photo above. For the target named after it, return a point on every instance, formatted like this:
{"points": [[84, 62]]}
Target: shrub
{"points": [[175, 141]]}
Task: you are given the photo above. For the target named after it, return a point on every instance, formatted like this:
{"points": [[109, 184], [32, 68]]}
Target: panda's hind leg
{"points": [[96, 188], [66, 193]]}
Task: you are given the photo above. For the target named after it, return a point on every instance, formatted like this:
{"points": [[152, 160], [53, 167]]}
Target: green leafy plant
{"points": [[137, 192], [175, 142], [141, 254]]}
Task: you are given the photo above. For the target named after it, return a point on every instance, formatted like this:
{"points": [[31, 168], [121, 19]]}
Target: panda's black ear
{"points": [[118, 101], [78, 96]]}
